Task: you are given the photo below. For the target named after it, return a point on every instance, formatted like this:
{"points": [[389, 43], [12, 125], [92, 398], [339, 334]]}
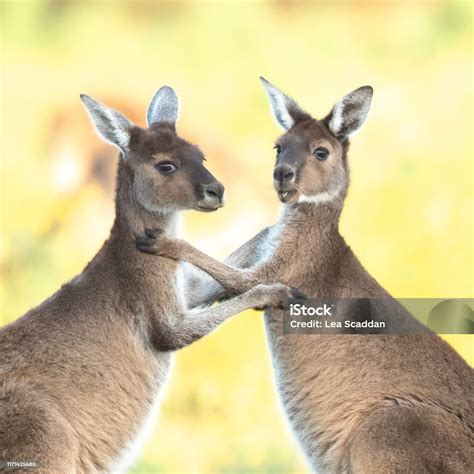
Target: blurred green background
{"points": [[408, 215]]}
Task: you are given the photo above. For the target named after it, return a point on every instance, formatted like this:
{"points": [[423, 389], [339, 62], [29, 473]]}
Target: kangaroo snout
{"points": [[283, 175], [214, 190], [213, 197], [284, 183]]}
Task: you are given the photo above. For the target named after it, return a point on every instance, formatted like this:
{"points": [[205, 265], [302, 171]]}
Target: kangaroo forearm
{"points": [[203, 290], [233, 280], [200, 288], [195, 324], [205, 294]]}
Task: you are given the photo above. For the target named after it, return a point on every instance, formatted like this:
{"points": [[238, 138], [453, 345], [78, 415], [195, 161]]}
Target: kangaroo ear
{"points": [[350, 113], [111, 125], [285, 110], [164, 107]]}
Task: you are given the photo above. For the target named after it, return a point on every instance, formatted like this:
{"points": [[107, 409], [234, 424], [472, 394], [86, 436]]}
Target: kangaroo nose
{"points": [[283, 173], [214, 190]]}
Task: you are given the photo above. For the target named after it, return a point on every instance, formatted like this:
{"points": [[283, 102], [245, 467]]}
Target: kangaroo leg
{"points": [[34, 430], [192, 325], [411, 439]]}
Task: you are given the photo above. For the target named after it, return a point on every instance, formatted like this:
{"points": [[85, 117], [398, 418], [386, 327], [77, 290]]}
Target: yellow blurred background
{"points": [[408, 215]]}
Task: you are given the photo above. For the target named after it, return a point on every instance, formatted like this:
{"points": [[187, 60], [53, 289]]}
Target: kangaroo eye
{"points": [[321, 153], [277, 148], [166, 167]]}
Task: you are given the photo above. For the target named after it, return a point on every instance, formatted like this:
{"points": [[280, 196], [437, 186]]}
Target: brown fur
{"points": [[356, 403], [81, 372]]}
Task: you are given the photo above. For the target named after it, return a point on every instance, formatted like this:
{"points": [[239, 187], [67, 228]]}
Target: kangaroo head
{"points": [[311, 155], [166, 172]]}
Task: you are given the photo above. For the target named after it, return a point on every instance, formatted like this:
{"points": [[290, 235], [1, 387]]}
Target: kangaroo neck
{"points": [[306, 246], [310, 229], [131, 220]]}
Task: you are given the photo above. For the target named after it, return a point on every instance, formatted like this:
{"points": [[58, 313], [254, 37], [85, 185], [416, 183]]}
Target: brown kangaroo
{"points": [[356, 403], [81, 374]]}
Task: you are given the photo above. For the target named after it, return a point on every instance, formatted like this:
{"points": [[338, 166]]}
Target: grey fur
{"points": [[111, 125], [350, 113], [285, 110], [164, 107]]}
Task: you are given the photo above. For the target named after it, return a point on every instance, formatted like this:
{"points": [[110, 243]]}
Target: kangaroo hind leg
{"points": [[32, 430], [411, 439]]}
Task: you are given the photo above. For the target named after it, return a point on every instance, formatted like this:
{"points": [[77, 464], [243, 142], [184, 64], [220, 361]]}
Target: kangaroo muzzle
{"points": [[284, 182], [213, 197], [283, 176]]}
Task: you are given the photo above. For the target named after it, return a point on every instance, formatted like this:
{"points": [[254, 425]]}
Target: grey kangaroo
{"points": [[356, 403], [81, 374]]}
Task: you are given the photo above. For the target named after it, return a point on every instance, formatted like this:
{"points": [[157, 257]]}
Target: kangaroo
{"points": [[356, 403], [82, 373]]}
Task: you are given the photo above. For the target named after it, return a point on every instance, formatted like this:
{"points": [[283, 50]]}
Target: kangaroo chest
{"points": [[142, 428], [298, 360], [310, 380]]}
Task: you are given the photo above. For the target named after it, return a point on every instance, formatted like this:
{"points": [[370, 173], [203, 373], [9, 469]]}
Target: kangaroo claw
{"points": [[153, 233], [145, 244], [298, 294]]}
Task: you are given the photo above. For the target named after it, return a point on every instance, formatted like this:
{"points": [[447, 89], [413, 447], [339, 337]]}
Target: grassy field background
{"points": [[408, 215]]}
